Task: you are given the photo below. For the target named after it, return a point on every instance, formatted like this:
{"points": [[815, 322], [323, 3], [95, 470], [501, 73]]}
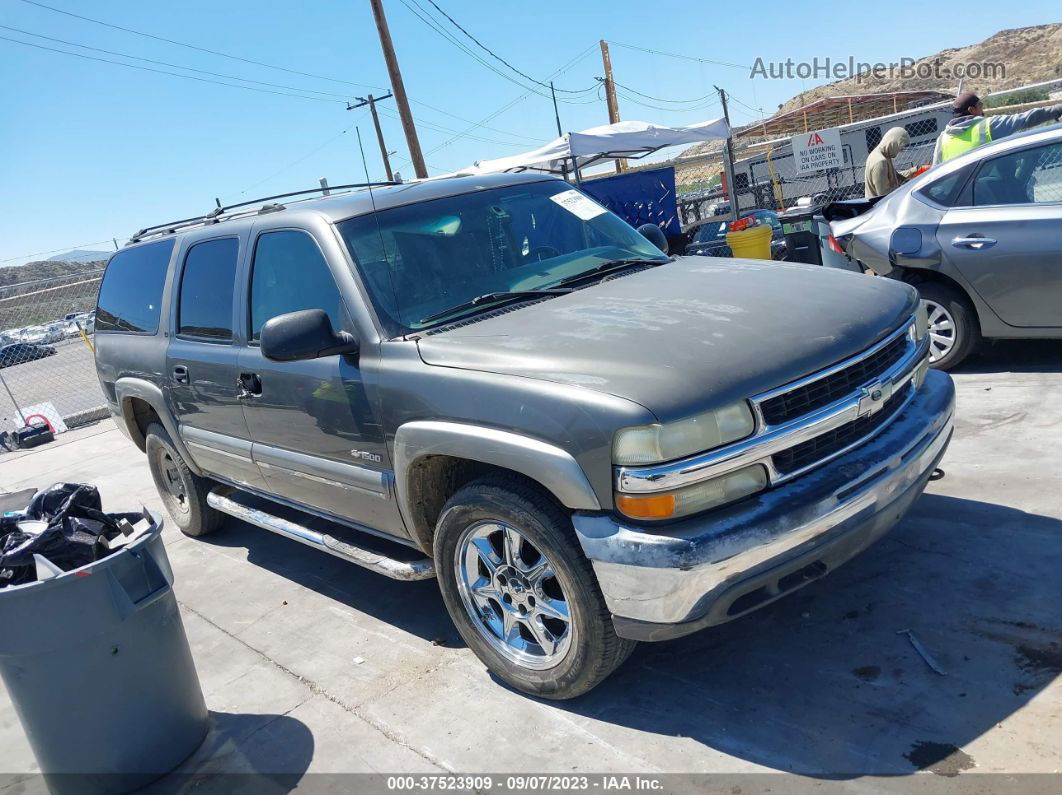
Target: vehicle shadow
{"points": [[823, 685], [243, 752], [416, 607], [1015, 356]]}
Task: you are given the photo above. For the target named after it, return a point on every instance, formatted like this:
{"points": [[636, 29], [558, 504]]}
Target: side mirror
{"points": [[306, 334], [655, 235]]}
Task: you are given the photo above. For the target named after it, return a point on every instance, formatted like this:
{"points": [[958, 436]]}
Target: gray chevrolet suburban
{"points": [[497, 382]]}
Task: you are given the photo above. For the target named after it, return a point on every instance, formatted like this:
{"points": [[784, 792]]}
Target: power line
{"points": [[561, 70], [56, 251], [440, 128], [669, 55], [306, 156], [695, 100], [200, 49], [497, 57], [421, 14], [744, 104], [238, 58], [164, 72], [687, 109], [174, 65]]}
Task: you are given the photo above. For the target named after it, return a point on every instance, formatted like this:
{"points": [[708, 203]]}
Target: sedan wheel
{"points": [[510, 590], [942, 331]]}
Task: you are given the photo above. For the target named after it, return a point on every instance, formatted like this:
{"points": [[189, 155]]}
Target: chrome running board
{"points": [[225, 500]]}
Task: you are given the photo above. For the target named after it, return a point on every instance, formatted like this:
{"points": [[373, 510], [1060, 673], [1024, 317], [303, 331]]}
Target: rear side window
{"points": [[945, 191], [131, 294], [206, 289], [1028, 176], [290, 274]]}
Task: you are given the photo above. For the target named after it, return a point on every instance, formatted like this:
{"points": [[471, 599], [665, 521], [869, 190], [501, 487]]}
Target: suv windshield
{"points": [[422, 259]]}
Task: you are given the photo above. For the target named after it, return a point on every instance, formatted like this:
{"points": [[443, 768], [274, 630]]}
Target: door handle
{"points": [[180, 374], [976, 242], [248, 386]]}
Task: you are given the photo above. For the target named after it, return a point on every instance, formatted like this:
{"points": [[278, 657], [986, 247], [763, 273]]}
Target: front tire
{"points": [[521, 592], [182, 491], [953, 329]]}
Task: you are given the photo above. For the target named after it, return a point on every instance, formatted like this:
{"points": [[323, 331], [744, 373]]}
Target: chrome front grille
{"points": [[829, 444], [810, 396], [805, 423]]}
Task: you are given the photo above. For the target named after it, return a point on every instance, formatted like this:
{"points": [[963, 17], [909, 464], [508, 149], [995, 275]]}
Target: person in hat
{"points": [[969, 128]]}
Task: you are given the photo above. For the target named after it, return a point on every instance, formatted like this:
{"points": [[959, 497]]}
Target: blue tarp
{"points": [[640, 197]]}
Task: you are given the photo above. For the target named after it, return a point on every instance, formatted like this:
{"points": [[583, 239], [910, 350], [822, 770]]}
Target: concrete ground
{"points": [[313, 665]]}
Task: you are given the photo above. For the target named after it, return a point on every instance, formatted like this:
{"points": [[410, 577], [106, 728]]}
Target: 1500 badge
{"points": [[365, 456]]}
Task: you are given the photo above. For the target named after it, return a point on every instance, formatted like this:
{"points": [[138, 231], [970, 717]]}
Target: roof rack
{"points": [[215, 215]]}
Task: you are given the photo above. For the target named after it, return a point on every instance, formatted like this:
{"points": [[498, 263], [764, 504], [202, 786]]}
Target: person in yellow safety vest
{"points": [[970, 128]]}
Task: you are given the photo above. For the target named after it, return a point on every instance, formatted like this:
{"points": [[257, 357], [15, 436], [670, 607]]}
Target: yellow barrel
{"points": [[751, 243]]}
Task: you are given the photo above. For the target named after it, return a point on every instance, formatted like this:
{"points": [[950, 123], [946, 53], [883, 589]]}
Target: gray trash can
{"points": [[98, 667]]}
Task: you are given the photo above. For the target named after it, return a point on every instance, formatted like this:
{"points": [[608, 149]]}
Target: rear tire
{"points": [[521, 592], [182, 491], [953, 328]]}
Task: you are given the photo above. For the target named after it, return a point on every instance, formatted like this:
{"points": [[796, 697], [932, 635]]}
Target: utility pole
{"points": [[371, 102], [560, 133], [415, 155], [610, 97], [728, 158]]}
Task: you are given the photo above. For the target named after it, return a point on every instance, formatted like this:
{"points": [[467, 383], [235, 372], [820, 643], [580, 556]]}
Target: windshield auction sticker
{"points": [[578, 204]]}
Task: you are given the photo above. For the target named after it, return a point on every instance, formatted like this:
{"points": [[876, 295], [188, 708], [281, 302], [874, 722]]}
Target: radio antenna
{"points": [[379, 231]]}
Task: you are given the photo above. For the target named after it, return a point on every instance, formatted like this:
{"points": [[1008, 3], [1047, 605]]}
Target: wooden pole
{"points": [[399, 90], [728, 159], [610, 97], [380, 138]]}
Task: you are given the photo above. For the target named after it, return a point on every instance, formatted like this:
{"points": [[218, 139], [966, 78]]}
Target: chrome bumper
{"points": [[679, 578]]}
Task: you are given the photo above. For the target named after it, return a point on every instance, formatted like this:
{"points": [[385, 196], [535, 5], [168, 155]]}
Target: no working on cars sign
{"points": [[817, 150]]}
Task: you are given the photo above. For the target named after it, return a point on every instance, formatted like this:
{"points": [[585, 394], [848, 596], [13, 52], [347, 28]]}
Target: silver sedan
{"points": [[980, 236]]}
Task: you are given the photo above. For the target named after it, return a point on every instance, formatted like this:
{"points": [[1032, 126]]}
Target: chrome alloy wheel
{"points": [[942, 331], [511, 592]]}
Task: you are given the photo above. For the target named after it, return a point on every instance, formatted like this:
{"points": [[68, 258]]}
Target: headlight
{"points": [[921, 324], [695, 498], [652, 444]]}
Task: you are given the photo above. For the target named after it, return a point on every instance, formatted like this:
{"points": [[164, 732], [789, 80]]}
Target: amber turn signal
{"points": [[649, 506]]}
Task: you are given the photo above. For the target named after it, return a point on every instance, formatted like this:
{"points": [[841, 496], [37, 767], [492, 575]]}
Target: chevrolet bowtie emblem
{"points": [[872, 398]]}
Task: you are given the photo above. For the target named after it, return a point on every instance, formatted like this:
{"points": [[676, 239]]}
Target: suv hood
{"points": [[683, 337]]}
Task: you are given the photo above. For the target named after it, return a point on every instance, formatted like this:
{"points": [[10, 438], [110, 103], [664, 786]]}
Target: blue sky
{"points": [[93, 150]]}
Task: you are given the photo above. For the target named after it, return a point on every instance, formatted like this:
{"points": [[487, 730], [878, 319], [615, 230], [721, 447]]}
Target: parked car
{"points": [[19, 352], [589, 443], [978, 236], [33, 335], [54, 332], [710, 238]]}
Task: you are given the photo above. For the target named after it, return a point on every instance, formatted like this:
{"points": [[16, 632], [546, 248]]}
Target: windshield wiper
{"points": [[492, 298], [605, 268]]}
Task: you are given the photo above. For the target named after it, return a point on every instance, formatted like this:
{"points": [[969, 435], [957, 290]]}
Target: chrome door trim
{"points": [[220, 443], [324, 470]]}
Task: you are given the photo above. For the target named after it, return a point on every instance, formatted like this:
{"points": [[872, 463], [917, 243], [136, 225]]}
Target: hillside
{"points": [[37, 272], [46, 291], [81, 255], [1030, 55]]}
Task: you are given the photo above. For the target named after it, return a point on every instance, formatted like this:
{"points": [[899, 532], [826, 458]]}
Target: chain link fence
{"points": [[47, 368], [766, 175]]}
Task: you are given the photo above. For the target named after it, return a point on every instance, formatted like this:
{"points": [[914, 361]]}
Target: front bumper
{"points": [[710, 569]]}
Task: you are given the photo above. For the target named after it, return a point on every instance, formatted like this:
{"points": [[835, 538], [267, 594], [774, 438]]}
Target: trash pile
{"points": [[62, 528]]}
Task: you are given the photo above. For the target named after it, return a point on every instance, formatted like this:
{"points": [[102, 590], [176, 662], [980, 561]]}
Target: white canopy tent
{"points": [[624, 139]]}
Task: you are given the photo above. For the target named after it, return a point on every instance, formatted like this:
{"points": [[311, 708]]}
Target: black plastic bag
{"points": [[74, 536]]}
